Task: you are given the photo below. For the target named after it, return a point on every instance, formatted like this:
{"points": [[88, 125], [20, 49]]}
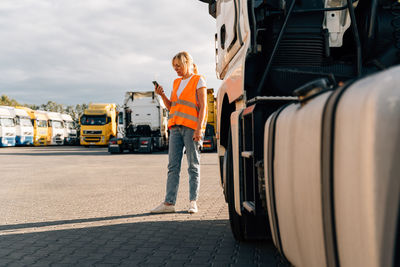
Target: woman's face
{"points": [[180, 69]]}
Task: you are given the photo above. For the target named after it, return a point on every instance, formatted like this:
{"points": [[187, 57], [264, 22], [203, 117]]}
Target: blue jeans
{"points": [[179, 137]]}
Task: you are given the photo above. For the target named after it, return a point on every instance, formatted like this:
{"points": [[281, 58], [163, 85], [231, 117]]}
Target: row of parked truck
{"points": [[21, 126], [139, 125]]}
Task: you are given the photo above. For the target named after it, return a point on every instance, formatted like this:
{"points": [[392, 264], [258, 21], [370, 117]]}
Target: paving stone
{"points": [[87, 208]]}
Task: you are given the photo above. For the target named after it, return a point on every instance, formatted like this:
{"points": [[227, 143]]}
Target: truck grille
{"points": [[300, 50], [92, 132], [92, 139]]}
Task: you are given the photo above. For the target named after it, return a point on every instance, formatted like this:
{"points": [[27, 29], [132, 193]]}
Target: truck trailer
{"points": [[308, 127], [98, 124], [142, 124]]}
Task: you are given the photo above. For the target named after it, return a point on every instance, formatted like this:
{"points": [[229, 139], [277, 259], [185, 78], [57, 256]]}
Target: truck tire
{"points": [[236, 221]]}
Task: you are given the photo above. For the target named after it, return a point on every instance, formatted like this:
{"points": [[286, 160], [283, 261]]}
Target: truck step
{"points": [[247, 154], [249, 206]]}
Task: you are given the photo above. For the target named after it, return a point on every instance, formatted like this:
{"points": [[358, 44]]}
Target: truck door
{"points": [[230, 32]]}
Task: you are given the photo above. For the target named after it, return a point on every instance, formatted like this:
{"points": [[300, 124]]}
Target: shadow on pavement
{"points": [[54, 223], [155, 243]]}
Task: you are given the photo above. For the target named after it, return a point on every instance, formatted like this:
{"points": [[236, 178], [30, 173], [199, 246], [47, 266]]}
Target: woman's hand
{"points": [[197, 135], [159, 90]]}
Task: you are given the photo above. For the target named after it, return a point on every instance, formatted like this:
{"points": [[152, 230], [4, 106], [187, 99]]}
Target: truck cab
{"points": [[24, 127], [7, 127], [70, 132], [142, 124], [265, 51], [98, 124], [55, 128], [40, 128]]}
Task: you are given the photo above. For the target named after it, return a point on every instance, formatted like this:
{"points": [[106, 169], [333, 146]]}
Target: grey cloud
{"points": [[88, 51]]}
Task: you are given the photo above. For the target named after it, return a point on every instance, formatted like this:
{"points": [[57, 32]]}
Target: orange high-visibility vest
{"points": [[185, 109]]}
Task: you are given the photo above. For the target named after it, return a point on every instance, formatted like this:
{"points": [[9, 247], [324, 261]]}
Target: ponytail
{"points": [[195, 71]]}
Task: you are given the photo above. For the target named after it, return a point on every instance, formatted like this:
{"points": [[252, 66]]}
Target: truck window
{"points": [[70, 125], [42, 123], [93, 120], [7, 122], [25, 122], [121, 118], [57, 125]]}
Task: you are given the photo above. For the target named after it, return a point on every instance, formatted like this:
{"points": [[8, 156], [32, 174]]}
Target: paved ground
{"points": [[75, 206]]}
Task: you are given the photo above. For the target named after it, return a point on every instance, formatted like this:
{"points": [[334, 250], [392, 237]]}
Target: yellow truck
{"points": [[98, 124], [210, 141], [40, 128]]}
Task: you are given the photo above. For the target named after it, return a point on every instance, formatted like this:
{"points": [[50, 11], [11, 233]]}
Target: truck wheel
{"points": [[236, 221]]}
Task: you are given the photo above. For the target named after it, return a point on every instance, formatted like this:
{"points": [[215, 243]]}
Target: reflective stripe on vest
{"points": [[184, 110], [185, 103]]}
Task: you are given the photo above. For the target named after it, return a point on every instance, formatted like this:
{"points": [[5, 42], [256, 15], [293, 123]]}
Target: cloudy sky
{"points": [[81, 51]]}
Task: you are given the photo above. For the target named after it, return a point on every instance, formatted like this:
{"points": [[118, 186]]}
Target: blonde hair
{"points": [[186, 60]]}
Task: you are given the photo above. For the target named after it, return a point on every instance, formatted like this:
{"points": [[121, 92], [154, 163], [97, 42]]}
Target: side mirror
{"points": [[108, 119], [212, 7]]}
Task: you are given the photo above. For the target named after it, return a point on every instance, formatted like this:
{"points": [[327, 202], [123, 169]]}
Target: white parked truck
{"points": [[142, 124], [70, 132], [56, 128], [7, 127]]}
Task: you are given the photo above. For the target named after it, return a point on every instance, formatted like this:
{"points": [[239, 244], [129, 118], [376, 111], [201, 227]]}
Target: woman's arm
{"points": [[160, 91], [202, 98]]}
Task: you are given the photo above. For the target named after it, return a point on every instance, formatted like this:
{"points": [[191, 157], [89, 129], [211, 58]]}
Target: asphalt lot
{"points": [[76, 206]]}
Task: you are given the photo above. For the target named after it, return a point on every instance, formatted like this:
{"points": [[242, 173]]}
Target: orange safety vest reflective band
{"points": [[185, 109]]}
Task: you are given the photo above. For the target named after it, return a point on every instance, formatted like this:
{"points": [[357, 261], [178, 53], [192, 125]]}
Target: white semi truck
{"points": [[70, 132], [7, 127], [24, 127], [142, 124], [56, 128]]}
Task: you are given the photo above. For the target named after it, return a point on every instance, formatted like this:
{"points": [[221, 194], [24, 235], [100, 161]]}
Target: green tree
{"points": [[52, 106], [6, 101]]}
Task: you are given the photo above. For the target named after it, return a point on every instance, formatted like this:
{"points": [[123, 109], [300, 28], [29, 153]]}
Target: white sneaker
{"points": [[193, 207], [162, 208]]}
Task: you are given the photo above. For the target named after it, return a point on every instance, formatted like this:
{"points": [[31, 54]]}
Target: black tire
{"points": [[236, 221]]}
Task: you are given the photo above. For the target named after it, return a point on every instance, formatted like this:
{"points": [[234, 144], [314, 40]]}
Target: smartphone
{"points": [[155, 83]]}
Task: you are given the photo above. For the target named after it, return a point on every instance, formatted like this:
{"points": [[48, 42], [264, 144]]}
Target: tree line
{"points": [[75, 111]]}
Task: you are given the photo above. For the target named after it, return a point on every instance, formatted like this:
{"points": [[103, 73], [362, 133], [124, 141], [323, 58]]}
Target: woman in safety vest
{"points": [[187, 120]]}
